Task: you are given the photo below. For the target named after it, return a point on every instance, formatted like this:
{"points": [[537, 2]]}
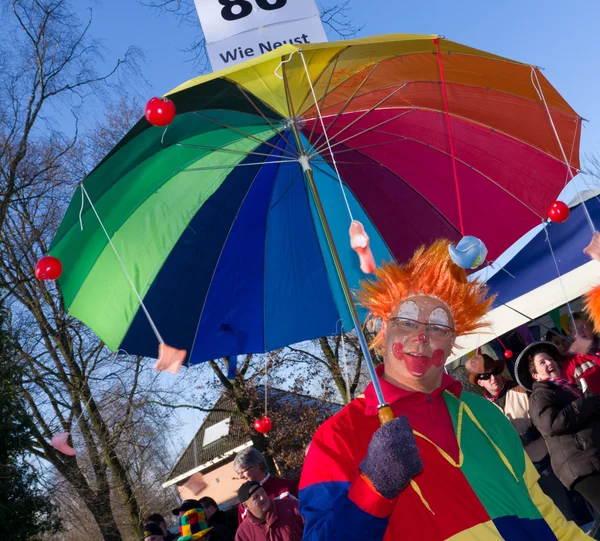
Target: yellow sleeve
{"points": [[563, 529]]}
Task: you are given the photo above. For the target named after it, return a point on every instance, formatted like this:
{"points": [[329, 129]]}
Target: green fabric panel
{"points": [[104, 299], [483, 467], [131, 152], [78, 250]]}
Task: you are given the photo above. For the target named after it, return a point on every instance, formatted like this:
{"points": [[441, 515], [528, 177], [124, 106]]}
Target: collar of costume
{"points": [[393, 394]]}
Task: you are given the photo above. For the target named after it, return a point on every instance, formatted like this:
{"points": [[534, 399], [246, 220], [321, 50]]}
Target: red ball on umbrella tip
{"points": [[263, 425], [48, 268], [508, 354], [558, 212], [160, 111]]}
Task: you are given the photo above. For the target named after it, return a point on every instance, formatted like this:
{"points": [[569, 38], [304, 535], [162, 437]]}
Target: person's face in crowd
{"points": [[210, 510], [418, 339], [492, 381], [258, 504], [545, 367], [252, 473], [562, 344], [154, 538], [583, 329]]}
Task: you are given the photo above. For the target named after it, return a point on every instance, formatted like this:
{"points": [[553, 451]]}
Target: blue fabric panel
{"points": [[298, 301], [337, 216], [533, 266], [232, 319], [329, 515], [177, 295], [524, 529]]}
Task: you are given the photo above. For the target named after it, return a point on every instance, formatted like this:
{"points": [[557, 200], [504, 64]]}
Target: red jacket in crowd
{"points": [[276, 489], [579, 366], [282, 523]]}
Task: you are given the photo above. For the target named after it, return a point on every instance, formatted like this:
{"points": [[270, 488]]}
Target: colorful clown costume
{"points": [[477, 482]]}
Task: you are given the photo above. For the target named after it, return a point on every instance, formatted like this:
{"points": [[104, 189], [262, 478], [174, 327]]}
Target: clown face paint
{"points": [[418, 341]]}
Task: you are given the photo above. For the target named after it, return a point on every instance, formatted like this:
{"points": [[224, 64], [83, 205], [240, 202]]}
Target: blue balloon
{"points": [[469, 253]]}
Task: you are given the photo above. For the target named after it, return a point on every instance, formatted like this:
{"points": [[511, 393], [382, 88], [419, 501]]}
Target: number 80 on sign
{"points": [[234, 10]]}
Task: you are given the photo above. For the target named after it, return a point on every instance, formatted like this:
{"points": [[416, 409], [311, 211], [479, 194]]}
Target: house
{"points": [[205, 468]]}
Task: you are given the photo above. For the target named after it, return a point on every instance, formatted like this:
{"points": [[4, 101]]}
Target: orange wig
{"points": [[592, 307], [429, 272]]}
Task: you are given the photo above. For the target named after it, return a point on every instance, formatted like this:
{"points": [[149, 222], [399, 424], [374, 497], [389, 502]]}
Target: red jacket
{"points": [[276, 489], [282, 523], [579, 366]]}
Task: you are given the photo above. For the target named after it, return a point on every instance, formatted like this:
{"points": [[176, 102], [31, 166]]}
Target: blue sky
{"points": [[558, 36]]}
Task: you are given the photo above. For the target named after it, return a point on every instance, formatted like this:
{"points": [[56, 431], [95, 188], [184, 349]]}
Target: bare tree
{"points": [[335, 17], [67, 378]]}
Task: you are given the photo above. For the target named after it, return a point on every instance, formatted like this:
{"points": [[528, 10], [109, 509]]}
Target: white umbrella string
{"points": [[318, 109], [114, 249], [562, 287], [538, 88]]}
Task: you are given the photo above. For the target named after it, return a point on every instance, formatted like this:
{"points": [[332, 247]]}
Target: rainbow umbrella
{"points": [[231, 225]]}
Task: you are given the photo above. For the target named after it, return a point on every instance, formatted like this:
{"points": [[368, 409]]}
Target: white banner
{"points": [[237, 30]]}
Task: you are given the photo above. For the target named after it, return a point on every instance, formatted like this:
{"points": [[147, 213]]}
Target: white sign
{"points": [[237, 30]]}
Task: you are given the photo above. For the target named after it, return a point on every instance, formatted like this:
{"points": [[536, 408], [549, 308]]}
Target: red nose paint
{"points": [[422, 337]]}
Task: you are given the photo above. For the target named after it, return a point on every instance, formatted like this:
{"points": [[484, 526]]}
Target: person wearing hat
{"points": [[513, 400], [193, 524], [568, 419], [268, 519], [152, 532], [448, 466]]}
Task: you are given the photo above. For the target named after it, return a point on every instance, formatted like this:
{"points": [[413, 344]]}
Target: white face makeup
{"points": [[439, 316], [409, 309]]}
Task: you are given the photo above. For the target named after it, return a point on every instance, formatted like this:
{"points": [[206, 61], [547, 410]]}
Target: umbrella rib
{"points": [[223, 149], [208, 168], [245, 94], [367, 214], [244, 134], [312, 131], [370, 110], [488, 178], [217, 264], [465, 119], [348, 101], [387, 120]]}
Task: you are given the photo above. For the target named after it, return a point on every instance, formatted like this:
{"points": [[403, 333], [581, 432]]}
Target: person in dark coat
{"points": [[568, 420], [193, 524], [216, 517]]}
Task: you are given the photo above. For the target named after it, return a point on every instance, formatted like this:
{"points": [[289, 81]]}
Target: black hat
{"points": [[522, 364], [186, 505], [247, 489], [151, 528]]}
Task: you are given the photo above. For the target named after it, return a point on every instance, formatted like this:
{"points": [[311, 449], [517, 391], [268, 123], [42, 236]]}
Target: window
{"points": [[216, 432]]}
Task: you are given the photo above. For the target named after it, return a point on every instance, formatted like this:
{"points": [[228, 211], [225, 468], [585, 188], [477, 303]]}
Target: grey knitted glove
{"points": [[392, 458]]}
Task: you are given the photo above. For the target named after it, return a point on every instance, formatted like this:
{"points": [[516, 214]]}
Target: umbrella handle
{"points": [[385, 414]]}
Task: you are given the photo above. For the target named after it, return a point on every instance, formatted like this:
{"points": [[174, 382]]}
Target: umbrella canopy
{"points": [[533, 286], [212, 218]]}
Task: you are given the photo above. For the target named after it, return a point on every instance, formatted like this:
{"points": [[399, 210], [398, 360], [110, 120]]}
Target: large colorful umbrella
{"points": [[220, 222]]}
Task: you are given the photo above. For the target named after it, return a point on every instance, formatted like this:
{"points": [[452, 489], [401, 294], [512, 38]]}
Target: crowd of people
{"points": [[434, 462]]}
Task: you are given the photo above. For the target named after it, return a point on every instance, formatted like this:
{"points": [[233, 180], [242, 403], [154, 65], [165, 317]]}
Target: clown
{"points": [[450, 465]]}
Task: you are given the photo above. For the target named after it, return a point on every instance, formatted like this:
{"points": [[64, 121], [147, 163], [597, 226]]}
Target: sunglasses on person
{"points": [[488, 375]]}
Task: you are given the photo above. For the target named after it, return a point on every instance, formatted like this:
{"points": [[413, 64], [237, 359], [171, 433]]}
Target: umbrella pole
{"points": [[385, 411]]}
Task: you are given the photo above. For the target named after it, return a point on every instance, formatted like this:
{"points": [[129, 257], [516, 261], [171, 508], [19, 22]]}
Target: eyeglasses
{"points": [[488, 375], [410, 325], [581, 328]]}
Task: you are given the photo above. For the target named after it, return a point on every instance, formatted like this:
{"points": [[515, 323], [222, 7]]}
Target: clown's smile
{"points": [[417, 364]]}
